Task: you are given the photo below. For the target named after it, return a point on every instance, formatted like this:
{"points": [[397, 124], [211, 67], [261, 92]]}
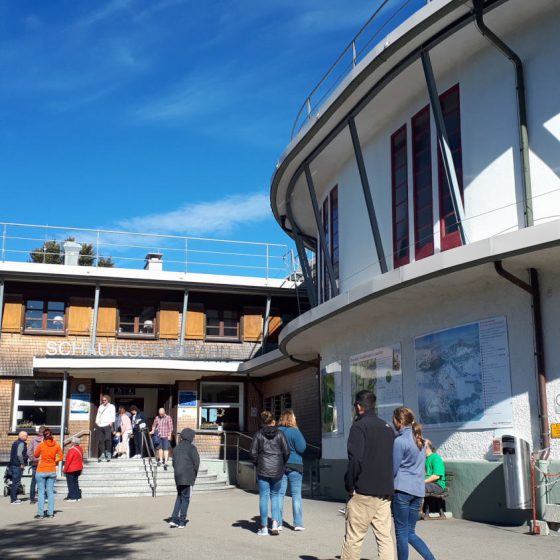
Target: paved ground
{"points": [[223, 525]]}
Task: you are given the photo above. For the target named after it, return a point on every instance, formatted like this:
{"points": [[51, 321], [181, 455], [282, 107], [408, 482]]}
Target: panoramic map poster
{"points": [[379, 371], [463, 376]]}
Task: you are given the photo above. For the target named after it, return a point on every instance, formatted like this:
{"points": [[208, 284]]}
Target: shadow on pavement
{"points": [[48, 539], [248, 524]]}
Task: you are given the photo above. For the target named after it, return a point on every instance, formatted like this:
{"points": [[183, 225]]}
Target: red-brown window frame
{"points": [[452, 239], [427, 249], [405, 258]]}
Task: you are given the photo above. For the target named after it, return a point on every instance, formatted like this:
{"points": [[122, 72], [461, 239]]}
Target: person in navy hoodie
{"points": [[409, 457], [293, 473], [18, 460]]}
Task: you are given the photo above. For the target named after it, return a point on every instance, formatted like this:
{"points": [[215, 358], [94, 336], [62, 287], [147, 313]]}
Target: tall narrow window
{"points": [[399, 178], [422, 184], [449, 226], [330, 227]]}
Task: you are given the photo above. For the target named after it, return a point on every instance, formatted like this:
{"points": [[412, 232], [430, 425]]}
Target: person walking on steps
{"points": [[293, 474], [138, 421], [49, 454], [104, 422], [162, 429], [73, 467], [270, 452], [409, 457], [186, 462]]}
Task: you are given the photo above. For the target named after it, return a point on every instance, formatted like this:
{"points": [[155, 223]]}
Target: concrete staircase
{"points": [[133, 477]]}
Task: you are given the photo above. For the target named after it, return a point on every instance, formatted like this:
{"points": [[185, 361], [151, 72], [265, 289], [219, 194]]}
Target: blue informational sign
{"points": [[79, 403], [187, 398]]}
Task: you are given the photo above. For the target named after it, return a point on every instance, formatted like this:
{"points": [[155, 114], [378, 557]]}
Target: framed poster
{"points": [[463, 376], [79, 406], [379, 371], [331, 400], [188, 399]]}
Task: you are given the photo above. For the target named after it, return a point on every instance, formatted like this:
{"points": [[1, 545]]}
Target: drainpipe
{"points": [[534, 289], [521, 108]]}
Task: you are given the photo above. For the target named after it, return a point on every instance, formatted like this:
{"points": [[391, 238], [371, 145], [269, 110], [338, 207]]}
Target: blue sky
{"points": [[163, 116]]}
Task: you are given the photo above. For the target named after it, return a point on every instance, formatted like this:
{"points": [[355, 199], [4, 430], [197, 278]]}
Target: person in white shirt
{"points": [[104, 423]]}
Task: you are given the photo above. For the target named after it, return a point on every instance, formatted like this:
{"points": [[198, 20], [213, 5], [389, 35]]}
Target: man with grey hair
{"points": [[18, 460]]}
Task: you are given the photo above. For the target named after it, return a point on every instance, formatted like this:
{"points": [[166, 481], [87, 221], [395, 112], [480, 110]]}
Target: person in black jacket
{"points": [[270, 452], [185, 468], [369, 481], [18, 460]]}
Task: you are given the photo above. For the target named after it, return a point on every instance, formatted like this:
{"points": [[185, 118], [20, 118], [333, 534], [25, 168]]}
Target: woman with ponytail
{"points": [[409, 457]]}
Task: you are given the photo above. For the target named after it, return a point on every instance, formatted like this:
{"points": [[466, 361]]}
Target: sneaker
{"points": [[158, 464], [299, 528], [50, 515], [181, 526], [274, 530], [173, 524], [342, 511], [17, 502], [262, 532], [164, 466], [38, 516], [33, 501], [280, 527]]}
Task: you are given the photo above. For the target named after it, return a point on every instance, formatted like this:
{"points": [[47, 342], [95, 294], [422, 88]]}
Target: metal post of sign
{"points": [[63, 418], [184, 320], [94, 321]]}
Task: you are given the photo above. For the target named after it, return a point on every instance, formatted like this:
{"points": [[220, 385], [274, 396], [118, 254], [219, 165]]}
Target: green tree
{"points": [[87, 256], [49, 253], [105, 262]]}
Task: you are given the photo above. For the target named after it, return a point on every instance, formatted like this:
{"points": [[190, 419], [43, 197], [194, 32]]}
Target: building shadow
{"points": [[48, 539]]}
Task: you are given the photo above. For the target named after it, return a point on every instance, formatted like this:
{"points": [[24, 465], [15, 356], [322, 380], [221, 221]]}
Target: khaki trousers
{"points": [[361, 512]]}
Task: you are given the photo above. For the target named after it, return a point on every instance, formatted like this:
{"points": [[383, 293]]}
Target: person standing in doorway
{"points": [[124, 431], [294, 468], [138, 421], [162, 428], [104, 422], [49, 454], [18, 460], [270, 452], [186, 462], [369, 481], [33, 462], [409, 457]]}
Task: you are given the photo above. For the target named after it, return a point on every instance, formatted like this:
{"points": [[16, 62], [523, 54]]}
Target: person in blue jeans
{"points": [[294, 468], [409, 457], [270, 452]]}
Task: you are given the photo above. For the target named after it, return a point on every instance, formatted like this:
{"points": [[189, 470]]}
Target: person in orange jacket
{"points": [[73, 467], [50, 454]]}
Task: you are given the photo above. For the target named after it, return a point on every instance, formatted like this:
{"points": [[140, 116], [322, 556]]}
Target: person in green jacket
{"points": [[435, 471]]}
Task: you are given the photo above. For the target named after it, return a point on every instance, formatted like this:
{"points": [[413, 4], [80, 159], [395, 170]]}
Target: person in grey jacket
{"points": [[270, 452], [185, 468]]}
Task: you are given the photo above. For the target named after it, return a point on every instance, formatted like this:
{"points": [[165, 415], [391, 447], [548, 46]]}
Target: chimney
{"points": [[71, 251], [154, 261]]}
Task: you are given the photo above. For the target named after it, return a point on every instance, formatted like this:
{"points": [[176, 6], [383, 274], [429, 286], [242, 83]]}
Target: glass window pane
{"points": [[35, 304], [220, 393], [31, 324], [55, 306], [28, 416], [34, 314], [40, 390], [213, 417]]}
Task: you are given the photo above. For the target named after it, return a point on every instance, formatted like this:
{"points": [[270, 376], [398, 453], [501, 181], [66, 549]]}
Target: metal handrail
{"points": [[195, 254], [78, 435], [309, 105]]}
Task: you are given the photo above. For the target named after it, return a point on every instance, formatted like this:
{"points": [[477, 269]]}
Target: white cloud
{"points": [[218, 217]]}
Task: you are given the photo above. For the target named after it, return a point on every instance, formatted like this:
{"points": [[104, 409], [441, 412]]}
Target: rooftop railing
{"points": [[388, 15], [119, 249]]}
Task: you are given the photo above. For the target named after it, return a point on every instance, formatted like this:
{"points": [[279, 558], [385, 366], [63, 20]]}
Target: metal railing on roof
{"points": [[119, 249], [388, 15]]}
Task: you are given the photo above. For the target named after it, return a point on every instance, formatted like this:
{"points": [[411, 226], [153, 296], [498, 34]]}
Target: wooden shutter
{"points": [[79, 316], [274, 326], [169, 321], [107, 318], [196, 323], [12, 315], [252, 325]]}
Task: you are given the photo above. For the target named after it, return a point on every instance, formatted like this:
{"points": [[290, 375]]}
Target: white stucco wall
{"points": [[490, 143], [483, 300]]}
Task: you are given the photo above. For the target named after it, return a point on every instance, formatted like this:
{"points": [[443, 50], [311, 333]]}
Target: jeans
{"points": [[33, 485], [74, 492], [16, 472], [269, 487], [45, 480], [405, 514], [182, 501], [105, 441], [137, 442], [294, 478]]}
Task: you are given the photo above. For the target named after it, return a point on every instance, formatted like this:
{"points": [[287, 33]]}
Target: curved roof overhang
{"points": [[422, 31], [427, 280]]}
